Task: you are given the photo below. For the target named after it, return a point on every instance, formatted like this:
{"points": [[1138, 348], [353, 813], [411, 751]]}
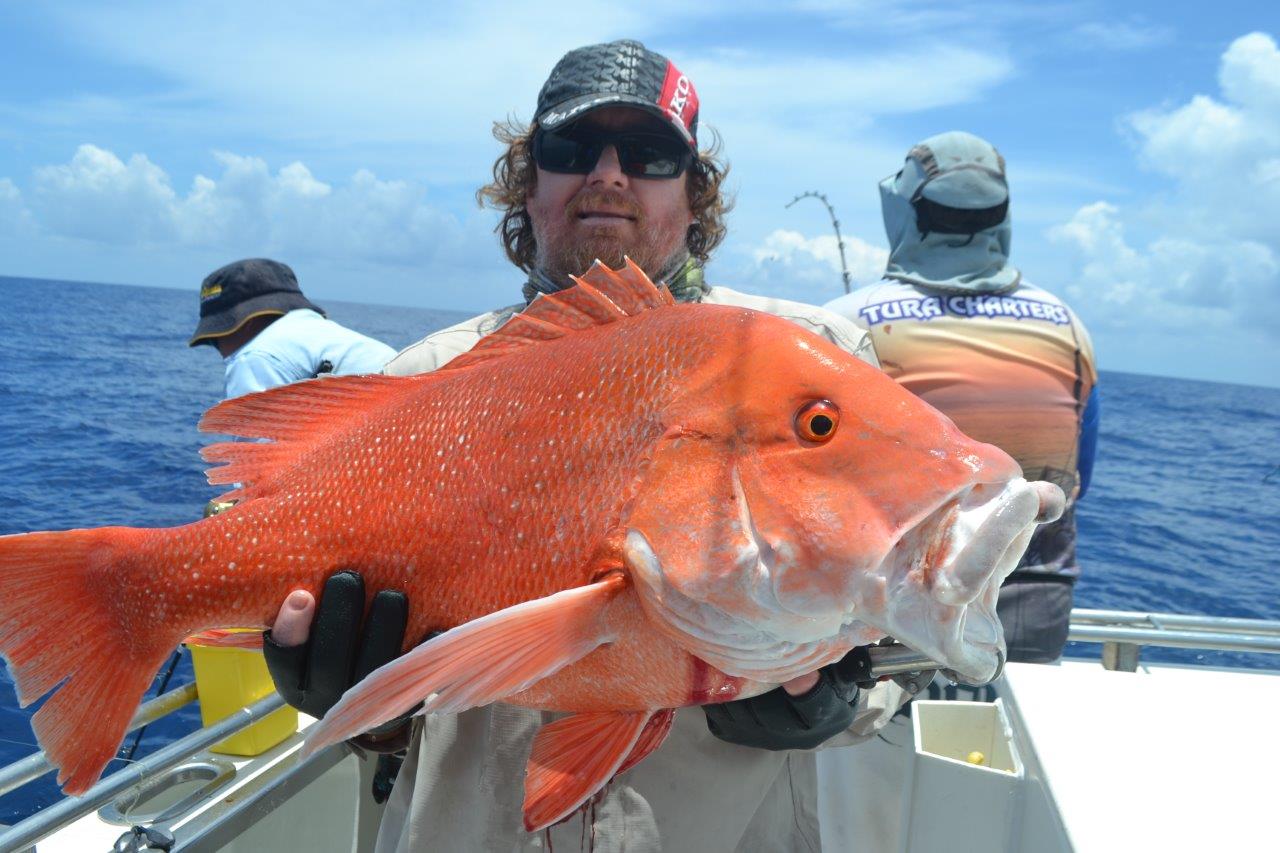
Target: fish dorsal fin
{"points": [[293, 418], [600, 296]]}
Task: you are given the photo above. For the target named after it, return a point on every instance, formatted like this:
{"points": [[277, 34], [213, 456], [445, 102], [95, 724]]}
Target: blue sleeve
{"points": [[255, 371], [1088, 439]]}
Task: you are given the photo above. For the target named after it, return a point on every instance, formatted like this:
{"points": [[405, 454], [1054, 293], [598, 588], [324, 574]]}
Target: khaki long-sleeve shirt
{"points": [[462, 785]]}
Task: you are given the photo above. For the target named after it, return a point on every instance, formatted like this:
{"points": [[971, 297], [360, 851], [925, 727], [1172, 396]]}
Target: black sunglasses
{"points": [[575, 151]]}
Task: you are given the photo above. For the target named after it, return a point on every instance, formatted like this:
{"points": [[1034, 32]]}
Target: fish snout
{"points": [[988, 537], [1053, 502]]}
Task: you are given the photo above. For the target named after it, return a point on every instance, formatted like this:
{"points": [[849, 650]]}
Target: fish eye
{"points": [[817, 421]]}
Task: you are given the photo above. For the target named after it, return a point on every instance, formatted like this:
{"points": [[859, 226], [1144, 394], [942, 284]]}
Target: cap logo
{"points": [[678, 98], [209, 291]]}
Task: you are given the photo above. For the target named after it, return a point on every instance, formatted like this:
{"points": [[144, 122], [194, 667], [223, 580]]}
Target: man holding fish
{"points": [[610, 169], [618, 505]]}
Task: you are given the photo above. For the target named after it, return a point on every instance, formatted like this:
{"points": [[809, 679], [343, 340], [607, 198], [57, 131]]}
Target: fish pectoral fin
{"points": [[574, 757], [478, 662]]}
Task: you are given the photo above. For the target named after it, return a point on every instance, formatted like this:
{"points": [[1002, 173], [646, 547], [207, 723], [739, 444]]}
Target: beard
{"points": [[567, 247]]}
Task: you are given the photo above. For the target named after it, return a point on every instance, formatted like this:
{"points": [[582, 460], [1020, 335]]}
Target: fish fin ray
{"points": [[478, 662], [58, 632], [628, 287], [651, 737], [600, 296], [574, 757], [223, 638], [293, 418]]}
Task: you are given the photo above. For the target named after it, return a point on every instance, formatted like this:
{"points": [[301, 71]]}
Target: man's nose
{"points": [[608, 169]]}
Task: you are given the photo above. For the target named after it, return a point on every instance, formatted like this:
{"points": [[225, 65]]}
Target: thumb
{"points": [[293, 622]]}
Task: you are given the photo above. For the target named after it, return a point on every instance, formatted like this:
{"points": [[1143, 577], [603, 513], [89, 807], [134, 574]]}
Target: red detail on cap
{"points": [[678, 99]]}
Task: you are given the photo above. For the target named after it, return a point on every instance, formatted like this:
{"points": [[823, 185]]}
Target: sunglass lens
{"points": [[558, 153], [649, 156]]}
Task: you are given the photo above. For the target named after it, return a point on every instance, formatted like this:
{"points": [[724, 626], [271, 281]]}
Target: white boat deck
{"points": [[1166, 758]]}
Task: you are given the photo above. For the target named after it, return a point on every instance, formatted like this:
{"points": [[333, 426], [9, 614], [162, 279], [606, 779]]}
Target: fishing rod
{"points": [[835, 223]]}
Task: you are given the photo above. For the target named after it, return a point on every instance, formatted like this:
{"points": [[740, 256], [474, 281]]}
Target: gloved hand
{"points": [[313, 676], [777, 720]]}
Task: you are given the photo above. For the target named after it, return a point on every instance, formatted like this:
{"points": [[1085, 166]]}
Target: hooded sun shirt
{"points": [[952, 175]]}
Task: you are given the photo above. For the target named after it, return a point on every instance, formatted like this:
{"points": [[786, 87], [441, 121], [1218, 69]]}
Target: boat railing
{"points": [[1121, 633], [68, 809]]}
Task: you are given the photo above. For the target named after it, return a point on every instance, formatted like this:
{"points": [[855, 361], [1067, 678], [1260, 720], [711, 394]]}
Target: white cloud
{"points": [[1118, 35], [807, 269], [1211, 258], [97, 196], [246, 210], [13, 213]]}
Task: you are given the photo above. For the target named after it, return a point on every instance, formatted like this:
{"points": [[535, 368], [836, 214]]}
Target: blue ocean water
{"points": [[99, 396]]}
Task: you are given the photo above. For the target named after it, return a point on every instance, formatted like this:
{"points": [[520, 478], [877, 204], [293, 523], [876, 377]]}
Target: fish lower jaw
{"points": [[947, 610]]}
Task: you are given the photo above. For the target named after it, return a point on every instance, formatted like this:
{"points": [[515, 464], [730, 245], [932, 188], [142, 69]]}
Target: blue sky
{"points": [[148, 143]]}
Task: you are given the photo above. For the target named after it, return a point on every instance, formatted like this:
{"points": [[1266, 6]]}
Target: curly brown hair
{"points": [[515, 174]]}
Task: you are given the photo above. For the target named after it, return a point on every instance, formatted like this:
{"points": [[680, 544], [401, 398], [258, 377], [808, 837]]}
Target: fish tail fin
{"points": [[59, 630], [577, 755]]}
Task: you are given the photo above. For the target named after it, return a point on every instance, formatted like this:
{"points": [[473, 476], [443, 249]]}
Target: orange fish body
{"points": [[611, 500]]}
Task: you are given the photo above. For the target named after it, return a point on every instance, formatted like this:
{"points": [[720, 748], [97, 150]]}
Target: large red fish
{"points": [[619, 505]]}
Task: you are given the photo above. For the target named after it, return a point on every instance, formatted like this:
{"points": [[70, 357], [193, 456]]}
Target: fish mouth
{"points": [[938, 586]]}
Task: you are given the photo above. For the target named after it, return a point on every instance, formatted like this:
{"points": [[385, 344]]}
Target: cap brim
{"points": [[223, 323], [973, 188], [574, 108]]}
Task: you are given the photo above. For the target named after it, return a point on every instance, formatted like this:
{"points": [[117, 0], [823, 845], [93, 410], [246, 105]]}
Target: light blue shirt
{"points": [[294, 348]]}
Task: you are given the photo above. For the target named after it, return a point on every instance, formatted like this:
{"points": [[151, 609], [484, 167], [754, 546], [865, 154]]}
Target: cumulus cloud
{"points": [[1212, 250], [13, 213], [246, 209], [1189, 284], [789, 264]]}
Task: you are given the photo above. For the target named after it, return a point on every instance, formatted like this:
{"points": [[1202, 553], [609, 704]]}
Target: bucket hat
{"points": [[232, 295]]}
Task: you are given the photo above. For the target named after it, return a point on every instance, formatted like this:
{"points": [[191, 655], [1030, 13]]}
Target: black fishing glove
{"points": [[777, 720], [313, 676]]}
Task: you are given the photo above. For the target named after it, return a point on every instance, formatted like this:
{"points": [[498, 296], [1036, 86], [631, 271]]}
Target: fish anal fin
{"points": [[227, 638], [599, 296], [574, 757], [655, 731], [478, 662], [293, 418]]}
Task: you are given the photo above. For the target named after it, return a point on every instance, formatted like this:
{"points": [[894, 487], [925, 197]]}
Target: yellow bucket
{"points": [[228, 680]]}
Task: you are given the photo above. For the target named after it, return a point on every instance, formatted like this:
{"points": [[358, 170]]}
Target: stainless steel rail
{"points": [[36, 765], [1124, 633], [257, 799], [1227, 642], [71, 808], [1162, 621]]}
